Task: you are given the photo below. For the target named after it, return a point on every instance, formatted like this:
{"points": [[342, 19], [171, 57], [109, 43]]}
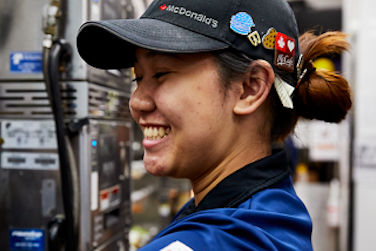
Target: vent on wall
{"points": [[30, 100], [79, 99]]}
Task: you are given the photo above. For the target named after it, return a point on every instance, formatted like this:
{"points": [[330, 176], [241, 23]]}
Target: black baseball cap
{"points": [[251, 27]]}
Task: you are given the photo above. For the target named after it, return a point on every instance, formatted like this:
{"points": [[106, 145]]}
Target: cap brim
{"points": [[110, 44]]}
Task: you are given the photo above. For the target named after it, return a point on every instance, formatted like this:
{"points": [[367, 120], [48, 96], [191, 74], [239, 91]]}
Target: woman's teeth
{"points": [[155, 133]]}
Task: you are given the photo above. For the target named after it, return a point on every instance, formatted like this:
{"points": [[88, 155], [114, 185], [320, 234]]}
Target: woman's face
{"points": [[185, 113]]}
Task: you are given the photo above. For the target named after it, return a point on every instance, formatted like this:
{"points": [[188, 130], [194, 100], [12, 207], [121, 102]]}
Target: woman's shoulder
{"points": [[273, 219]]}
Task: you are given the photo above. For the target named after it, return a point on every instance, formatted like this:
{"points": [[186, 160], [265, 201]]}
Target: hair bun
{"points": [[322, 94]]}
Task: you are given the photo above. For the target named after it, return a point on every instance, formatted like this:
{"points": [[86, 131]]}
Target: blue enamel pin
{"points": [[242, 23]]}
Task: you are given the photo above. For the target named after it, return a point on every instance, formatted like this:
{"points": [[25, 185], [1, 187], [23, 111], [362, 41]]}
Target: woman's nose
{"points": [[141, 101]]}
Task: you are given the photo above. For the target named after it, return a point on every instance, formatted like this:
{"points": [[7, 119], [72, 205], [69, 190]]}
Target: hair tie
{"points": [[306, 72]]}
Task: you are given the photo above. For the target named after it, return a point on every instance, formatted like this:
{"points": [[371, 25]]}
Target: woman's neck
{"points": [[213, 176]]}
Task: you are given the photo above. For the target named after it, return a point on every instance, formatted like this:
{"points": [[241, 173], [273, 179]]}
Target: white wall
{"points": [[360, 22]]}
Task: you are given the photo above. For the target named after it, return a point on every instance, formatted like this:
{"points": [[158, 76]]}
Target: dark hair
{"points": [[321, 94], [232, 64]]}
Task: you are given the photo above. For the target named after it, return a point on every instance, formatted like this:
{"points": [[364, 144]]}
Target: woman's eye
{"points": [[137, 79], [160, 74], [156, 76]]}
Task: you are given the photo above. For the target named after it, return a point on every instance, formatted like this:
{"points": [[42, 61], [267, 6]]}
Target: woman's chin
{"points": [[155, 168]]}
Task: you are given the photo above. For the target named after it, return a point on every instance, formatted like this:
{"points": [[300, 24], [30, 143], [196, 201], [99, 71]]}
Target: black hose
{"points": [[60, 52]]}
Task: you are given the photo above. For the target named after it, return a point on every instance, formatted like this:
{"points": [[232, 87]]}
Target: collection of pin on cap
{"points": [[283, 46]]}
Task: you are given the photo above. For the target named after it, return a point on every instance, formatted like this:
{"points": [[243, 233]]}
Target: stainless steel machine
{"points": [[34, 190]]}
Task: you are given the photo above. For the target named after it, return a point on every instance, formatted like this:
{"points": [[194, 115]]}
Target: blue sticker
{"points": [[242, 23], [26, 62], [26, 240]]}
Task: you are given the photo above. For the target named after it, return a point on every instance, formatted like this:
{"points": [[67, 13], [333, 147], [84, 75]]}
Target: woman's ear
{"points": [[255, 87]]}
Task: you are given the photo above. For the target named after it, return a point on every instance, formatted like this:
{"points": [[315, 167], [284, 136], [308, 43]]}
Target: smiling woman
{"points": [[195, 115], [215, 89]]}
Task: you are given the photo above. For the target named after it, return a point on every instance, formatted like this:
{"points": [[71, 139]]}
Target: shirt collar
{"points": [[242, 184]]}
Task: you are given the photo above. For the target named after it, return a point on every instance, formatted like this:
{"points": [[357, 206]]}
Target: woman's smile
{"points": [[156, 132], [154, 136]]}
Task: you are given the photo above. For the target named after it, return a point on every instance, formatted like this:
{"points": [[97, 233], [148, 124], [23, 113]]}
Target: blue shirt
{"points": [[255, 208]]}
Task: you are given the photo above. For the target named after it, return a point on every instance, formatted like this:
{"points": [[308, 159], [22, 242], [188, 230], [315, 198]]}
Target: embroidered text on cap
{"points": [[199, 17]]}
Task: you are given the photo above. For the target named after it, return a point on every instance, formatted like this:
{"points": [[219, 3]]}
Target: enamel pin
{"points": [[254, 38], [242, 23], [284, 52], [268, 40]]}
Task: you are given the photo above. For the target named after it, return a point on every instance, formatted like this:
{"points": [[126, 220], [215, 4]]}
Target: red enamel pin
{"points": [[284, 58]]}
